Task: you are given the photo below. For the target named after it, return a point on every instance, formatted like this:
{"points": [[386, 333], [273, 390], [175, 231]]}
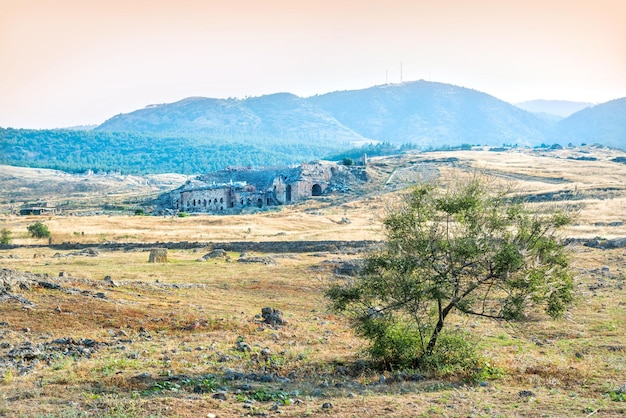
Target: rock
{"points": [[216, 253], [221, 396], [244, 347], [272, 316], [158, 255], [327, 405], [525, 394], [109, 282], [264, 260]]}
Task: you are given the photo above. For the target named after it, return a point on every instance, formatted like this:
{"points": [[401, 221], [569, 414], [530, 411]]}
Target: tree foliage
{"points": [[141, 153], [38, 230], [5, 236], [467, 249]]}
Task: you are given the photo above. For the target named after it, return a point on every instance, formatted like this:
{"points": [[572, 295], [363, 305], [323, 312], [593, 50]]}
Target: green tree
{"points": [[468, 249], [38, 230], [5, 236]]}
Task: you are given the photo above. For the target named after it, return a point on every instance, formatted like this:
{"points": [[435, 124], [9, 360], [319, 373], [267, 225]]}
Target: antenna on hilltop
{"points": [[386, 76], [401, 71]]}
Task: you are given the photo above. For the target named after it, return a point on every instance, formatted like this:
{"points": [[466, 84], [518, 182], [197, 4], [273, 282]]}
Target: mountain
{"points": [[280, 117], [603, 124], [198, 134], [560, 108], [432, 114], [425, 113]]}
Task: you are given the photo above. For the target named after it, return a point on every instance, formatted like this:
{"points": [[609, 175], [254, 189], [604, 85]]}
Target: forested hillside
{"points": [[137, 153]]}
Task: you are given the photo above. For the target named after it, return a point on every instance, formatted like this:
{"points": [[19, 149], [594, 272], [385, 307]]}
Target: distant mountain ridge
{"points": [[199, 134], [426, 113], [432, 114], [281, 116], [560, 108], [604, 124]]}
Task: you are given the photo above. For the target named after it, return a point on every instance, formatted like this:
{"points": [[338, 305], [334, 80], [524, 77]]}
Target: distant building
{"points": [[39, 208], [236, 188]]}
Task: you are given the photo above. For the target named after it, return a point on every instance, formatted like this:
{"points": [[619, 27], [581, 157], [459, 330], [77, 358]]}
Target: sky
{"points": [[80, 62]]}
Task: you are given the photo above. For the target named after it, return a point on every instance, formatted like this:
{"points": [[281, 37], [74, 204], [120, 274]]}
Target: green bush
{"points": [[38, 230], [5, 236]]}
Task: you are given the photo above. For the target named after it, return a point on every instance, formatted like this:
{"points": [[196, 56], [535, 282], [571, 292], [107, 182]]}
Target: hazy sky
{"points": [[73, 62]]}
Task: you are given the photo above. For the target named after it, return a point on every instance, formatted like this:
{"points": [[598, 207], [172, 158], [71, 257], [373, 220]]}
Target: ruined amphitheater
{"points": [[233, 189]]}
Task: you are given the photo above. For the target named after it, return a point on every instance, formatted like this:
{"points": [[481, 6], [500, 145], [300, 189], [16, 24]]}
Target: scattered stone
{"points": [[272, 316], [327, 405], [244, 347], [525, 394], [263, 260], [109, 281], [158, 255], [317, 392], [221, 396], [216, 253]]}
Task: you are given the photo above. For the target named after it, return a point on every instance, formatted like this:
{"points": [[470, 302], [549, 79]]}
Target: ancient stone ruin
{"points": [[236, 188], [158, 255]]}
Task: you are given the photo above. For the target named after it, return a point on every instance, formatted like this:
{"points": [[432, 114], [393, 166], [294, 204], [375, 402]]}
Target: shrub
{"points": [[5, 236], [38, 230]]}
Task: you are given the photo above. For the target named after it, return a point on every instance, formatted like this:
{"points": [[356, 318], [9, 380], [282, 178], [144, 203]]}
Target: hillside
{"points": [[143, 153], [604, 124], [278, 118], [90, 327], [425, 113], [197, 135], [432, 114]]}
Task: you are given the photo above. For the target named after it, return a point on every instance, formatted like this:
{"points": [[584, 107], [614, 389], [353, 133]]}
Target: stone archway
{"points": [[316, 190]]}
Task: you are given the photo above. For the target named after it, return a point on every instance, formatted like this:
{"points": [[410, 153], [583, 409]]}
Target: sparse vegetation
{"points": [[109, 334], [5, 236], [38, 230]]}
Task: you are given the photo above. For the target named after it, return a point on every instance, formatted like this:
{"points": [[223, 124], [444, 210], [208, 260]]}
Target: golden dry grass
{"points": [[184, 317]]}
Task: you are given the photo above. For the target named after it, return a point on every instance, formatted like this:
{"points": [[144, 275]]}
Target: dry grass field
{"points": [[106, 334]]}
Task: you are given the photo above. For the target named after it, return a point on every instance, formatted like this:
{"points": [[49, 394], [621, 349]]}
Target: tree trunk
{"points": [[433, 338]]}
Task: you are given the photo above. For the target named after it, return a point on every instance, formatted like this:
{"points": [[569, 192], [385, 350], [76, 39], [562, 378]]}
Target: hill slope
{"points": [[425, 113], [432, 114], [280, 118], [604, 124], [140, 153], [198, 135]]}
